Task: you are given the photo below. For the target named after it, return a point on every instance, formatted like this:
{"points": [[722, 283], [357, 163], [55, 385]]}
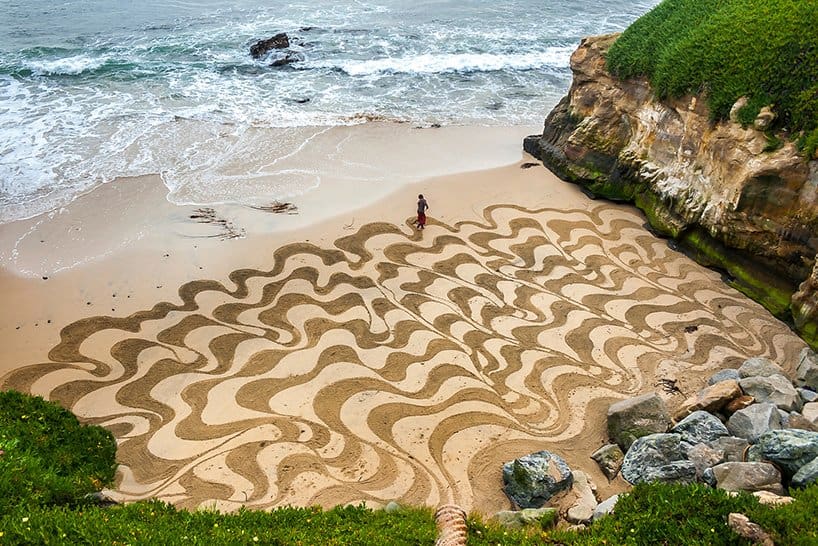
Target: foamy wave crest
{"points": [[67, 65], [556, 57]]}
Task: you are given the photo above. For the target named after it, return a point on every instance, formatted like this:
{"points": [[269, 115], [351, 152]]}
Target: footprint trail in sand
{"points": [[397, 365]]}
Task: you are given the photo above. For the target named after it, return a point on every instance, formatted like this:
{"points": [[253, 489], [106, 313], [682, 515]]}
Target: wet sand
{"points": [[339, 355]]}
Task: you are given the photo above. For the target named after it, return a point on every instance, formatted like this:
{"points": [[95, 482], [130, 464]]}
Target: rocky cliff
{"points": [[737, 198]]}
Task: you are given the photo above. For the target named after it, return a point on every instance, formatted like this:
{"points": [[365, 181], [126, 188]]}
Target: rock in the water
{"points": [[609, 458], [759, 367], [287, 59], [262, 47], [806, 373], [517, 519], [748, 477], [711, 399], [776, 389], [533, 479], [700, 427], [657, 457], [636, 417], [806, 475], [732, 446], [752, 422], [703, 457], [724, 375], [605, 507], [789, 449], [807, 395], [743, 401]]}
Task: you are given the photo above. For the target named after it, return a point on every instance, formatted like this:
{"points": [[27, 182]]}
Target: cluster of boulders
{"points": [[750, 429]]}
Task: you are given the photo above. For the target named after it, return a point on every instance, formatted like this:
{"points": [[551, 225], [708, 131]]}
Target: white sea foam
{"points": [[74, 65], [430, 63], [187, 101]]}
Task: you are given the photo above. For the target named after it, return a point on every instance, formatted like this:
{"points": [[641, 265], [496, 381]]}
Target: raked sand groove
{"points": [[399, 364]]}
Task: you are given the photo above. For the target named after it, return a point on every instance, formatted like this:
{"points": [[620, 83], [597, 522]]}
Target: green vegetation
{"points": [[766, 50], [650, 514], [47, 457]]}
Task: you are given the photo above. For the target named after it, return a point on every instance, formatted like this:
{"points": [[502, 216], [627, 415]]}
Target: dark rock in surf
{"points": [[262, 47]]}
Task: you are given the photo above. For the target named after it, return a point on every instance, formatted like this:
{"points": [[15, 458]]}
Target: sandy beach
{"points": [[335, 354]]}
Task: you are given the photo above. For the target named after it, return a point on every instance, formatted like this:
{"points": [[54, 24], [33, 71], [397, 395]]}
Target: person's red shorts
{"points": [[421, 219]]}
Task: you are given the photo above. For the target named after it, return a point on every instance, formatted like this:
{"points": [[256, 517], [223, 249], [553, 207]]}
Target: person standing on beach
{"points": [[423, 206]]}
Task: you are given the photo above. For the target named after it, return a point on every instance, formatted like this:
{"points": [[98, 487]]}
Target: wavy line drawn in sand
{"points": [[396, 366]]}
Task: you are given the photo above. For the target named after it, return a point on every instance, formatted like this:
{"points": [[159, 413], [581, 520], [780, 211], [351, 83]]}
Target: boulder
{"points": [[533, 479], [581, 509], [775, 389], [806, 475], [771, 499], [752, 422], [703, 457], [605, 507], [743, 401], [807, 395], [748, 477], [789, 449], [636, 417], [754, 454], [711, 399], [746, 529], [287, 59], [262, 47], [700, 427], [796, 420], [810, 412], [806, 372], [785, 418], [517, 519], [732, 446], [657, 457], [609, 458], [759, 367], [724, 375]]}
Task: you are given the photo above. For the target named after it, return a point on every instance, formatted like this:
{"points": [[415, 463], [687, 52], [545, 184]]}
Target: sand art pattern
{"points": [[397, 365]]}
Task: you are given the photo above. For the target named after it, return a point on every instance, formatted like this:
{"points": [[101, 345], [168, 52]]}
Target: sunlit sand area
{"points": [[354, 358]]}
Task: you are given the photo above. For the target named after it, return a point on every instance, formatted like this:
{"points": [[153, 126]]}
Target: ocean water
{"points": [[92, 90]]}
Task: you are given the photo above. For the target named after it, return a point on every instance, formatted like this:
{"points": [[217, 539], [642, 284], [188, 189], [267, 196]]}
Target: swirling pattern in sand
{"points": [[397, 365]]}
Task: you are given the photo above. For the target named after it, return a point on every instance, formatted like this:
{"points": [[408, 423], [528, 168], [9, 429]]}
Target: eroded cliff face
{"points": [[733, 197]]}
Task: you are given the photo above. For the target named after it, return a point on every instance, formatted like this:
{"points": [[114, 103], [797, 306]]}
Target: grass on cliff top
{"points": [[650, 514], [47, 457], [766, 50]]}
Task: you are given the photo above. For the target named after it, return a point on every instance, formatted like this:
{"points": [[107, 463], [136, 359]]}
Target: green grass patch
{"points": [[48, 457], [154, 522], [766, 50]]}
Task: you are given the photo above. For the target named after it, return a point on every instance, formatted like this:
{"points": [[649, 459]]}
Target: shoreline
{"points": [[358, 360]]}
